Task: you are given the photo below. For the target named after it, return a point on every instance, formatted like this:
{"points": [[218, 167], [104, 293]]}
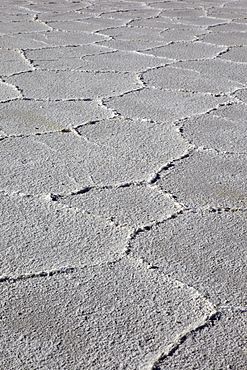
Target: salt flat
{"points": [[123, 184]]}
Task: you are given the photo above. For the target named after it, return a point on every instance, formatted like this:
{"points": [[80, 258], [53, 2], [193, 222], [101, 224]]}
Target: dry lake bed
{"points": [[123, 184]]}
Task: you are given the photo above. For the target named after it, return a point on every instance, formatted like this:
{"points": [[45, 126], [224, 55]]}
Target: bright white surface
{"points": [[123, 184]]}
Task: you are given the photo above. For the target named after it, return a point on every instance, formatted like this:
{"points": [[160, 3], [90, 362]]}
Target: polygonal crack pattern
{"points": [[123, 172]]}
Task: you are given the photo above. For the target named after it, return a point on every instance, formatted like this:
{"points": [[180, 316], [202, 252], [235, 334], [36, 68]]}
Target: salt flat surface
{"points": [[123, 184]]}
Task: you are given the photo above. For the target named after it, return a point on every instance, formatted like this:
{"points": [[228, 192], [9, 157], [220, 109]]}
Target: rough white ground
{"points": [[123, 184]]}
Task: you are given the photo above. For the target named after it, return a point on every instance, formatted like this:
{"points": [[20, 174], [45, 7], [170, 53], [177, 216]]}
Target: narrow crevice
{"points": [[55, 272], [134, 233], [40, 133], [169, 164], [209, 321], [13, 279]]}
